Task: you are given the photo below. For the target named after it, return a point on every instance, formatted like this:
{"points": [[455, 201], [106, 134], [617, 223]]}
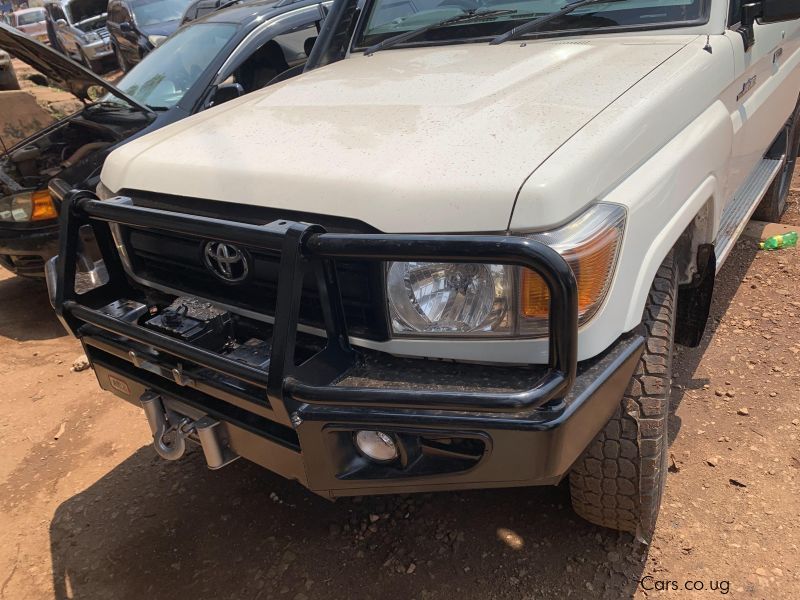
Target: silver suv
{"points": [[78, 29]]}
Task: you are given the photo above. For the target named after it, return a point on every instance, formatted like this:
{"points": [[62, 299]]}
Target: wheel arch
{"points": [[691, 229], [674, 200], [696, 264]]}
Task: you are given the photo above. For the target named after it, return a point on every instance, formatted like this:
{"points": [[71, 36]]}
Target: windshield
{"points": [[391, 17], [29, 18], [169, 71], [151, 12]]}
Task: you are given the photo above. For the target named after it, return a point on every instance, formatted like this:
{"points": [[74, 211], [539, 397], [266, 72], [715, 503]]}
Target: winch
{"points": [[195, 322]]}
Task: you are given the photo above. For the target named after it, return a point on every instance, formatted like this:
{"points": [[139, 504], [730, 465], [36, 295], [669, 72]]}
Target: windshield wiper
{"points": [[519, 30], [110, 105], [468, 15]]}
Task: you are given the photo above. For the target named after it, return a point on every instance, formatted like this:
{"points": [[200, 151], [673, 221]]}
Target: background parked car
{"points": [[31, 21], [205, 63], [200, 8], [78, 29], [138, 26]]}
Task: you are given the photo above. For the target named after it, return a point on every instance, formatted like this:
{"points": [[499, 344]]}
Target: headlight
{"points": [[448, 298], [28, 206], [435, 299], [156, 40], [91, 37]]}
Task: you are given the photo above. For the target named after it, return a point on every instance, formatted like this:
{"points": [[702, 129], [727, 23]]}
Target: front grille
{"points": [[103, 33], [176, 262]]}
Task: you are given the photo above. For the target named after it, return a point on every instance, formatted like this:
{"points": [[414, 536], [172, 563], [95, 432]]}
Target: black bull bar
{"points": [[304, 248]]}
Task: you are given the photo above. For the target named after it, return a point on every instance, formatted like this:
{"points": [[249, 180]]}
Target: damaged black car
{"points": [[35, 173], [222, 56]]}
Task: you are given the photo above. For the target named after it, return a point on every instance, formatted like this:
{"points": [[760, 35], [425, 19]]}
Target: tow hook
{"points": [[169, 447], [170, 431]]}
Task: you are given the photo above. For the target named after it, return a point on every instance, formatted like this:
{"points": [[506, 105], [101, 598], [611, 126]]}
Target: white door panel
{"points": [[762, 95]]}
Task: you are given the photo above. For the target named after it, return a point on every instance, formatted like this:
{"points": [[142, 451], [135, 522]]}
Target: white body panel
{"points": [[773, 62], [393, 147], [477, 138]]}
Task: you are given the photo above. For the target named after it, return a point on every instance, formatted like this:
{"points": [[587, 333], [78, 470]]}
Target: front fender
{"points": [[682, 181], [663, 151]]}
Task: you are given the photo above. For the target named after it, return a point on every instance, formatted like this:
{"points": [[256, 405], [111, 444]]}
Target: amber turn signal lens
{"points": [[535, 295], [43, 207], [591, 256]]}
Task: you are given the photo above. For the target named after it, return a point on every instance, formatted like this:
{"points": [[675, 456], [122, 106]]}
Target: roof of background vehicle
{"points": [[244, 11], [58, 68], [22, 11]]}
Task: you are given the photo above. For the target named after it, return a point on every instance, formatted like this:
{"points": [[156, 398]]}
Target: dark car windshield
{"points": [[390, 17], [150, 12], [169, 71], [29, 18]]}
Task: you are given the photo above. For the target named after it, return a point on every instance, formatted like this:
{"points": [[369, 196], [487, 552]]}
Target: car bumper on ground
{"points": [[451, 425], [98, 50], [25, 250]]}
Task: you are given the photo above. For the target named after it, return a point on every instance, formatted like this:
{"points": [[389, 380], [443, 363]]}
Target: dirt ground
{"points": [[54, 100], [87, 510]]}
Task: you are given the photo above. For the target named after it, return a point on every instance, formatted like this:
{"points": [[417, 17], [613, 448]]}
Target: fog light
{"points": [[376, 445]]}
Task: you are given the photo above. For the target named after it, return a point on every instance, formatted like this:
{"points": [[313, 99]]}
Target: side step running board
{"points": [[745, 200]]}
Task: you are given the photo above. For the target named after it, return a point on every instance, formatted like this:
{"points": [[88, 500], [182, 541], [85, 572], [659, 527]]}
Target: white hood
{"points": [[412, 140]]}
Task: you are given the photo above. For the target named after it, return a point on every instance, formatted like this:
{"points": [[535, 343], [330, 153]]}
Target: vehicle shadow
{"points": [[25, 311], [687, 360], [152, 529]]}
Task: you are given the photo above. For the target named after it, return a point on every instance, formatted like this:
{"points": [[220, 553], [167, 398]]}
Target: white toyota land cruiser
{"points": [[455, 253]]}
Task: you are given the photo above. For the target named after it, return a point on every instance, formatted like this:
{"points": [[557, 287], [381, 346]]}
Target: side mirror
{"points": [[287, 74], [60, 23], [765, 11], [125, 27], [773, 11], [227, 91], [308, 45]]}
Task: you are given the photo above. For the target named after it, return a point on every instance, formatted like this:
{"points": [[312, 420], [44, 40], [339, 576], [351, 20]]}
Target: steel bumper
{"points": [[526, 427], [97, 50], [519, 449]]}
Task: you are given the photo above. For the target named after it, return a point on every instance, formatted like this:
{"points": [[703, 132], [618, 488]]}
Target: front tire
{"points": [[85, 61], [123, 65], [619, 480], [95, 66]]}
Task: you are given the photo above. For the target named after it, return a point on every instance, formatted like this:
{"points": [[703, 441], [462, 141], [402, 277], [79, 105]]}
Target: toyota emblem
{"points": [[226, 261]]}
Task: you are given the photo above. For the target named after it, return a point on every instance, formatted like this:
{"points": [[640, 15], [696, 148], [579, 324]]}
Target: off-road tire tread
{"points": [[618, 481]]}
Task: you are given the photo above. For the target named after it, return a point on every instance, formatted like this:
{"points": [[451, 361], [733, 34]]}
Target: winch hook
{"points": [[157, 419]]}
